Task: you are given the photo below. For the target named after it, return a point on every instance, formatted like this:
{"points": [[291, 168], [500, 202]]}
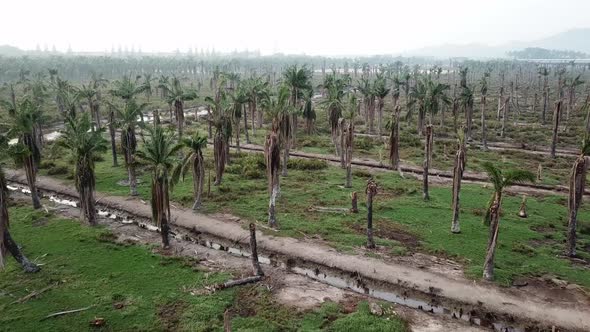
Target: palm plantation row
{"points": [[255, 103]]}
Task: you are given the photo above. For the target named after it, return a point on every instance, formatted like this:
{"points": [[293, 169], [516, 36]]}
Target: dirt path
{"points": [[573, 316]]}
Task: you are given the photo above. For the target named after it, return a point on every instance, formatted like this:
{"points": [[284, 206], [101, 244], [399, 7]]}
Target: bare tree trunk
{"points": [[457, 177], [246, 125], [488, 268], [113, 140], [426, 165], [576, 191], [556, 116], [14, 250], [394, 140], [505, 109], [219, 154], [348, 142], [198, 179], [254, 255], [484, 139], [273, 159], [354, 202], [371, 192]]}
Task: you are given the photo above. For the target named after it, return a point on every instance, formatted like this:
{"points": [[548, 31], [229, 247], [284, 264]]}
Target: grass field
{"points": [[404, 222], [134, 289]]}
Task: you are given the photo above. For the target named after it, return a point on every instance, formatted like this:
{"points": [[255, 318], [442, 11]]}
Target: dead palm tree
{"points": [[195, 162], [459, 168], [556, 117], [7, 243], [484, 93], [159, 154], [381, 91], [500, 180], [576, 192], [394, 138], [272, 154], [428, 142], [371, 192], [84, 144], [349, 117]]}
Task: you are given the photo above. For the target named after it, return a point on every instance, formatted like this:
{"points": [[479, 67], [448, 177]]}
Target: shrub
{"points": [[307, 164], [58, 170]]}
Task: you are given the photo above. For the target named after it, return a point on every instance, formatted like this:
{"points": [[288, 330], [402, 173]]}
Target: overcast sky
{"points": [[296, 26]]}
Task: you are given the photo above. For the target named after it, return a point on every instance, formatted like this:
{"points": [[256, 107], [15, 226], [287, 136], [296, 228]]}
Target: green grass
{"points": [[92, 270], [399, 209]]}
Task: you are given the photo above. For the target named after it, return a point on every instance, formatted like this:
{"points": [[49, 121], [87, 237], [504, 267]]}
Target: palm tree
{"points": [[147, 86], [127, 121], [371, 192], [272, 156], [90, 94], [195, 162], [221, 120], [556, 117], [177, 95], [428, 141], [112, 124], [308, 112], [334, 104], [366, 89], [459, 168], [85, 144], [484, 92], [239, 98], [500, 180], [576, 192], [543, 71], [467, 103], [159, 154], [26, 118], [348, 134], [7, 243], [394, 138], [381, 91]]}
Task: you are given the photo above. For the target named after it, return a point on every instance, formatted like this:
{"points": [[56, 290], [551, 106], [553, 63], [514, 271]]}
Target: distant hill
{"points": [[8, 50], [571, 40]]}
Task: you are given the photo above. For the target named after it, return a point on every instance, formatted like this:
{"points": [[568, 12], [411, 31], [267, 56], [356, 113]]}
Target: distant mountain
{"points": [[8, 50], [572, 40]]}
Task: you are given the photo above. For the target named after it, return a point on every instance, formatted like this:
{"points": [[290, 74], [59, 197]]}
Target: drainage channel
{"points": [[470, 314]]}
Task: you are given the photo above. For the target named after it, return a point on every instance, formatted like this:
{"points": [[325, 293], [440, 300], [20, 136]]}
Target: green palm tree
{"points": [[159, 155], [334, 104], [239, 98], [26, 119], [381, 91], [84, 144], [177, 95], [7, 243], [309, 113], [501, 181], [195, 162], [127, 122], [91, 95]]}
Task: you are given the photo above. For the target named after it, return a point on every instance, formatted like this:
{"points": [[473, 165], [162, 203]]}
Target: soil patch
{"points": [[390, 230], [170, 313]]}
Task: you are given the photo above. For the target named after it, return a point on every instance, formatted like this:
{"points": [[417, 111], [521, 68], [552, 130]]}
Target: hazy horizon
{"points": [[310, 27]]}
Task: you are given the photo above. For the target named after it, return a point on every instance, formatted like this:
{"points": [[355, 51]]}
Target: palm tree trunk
{"points": [[545, 104], [198, 179], [484, 139], [15, 251], [348, 149], [272, 155], [113, 141], [426, 164], [31, 172], [457, 177], [219, 155], [556, 116], [488, 268], [380, 116], [246, 125], [394, 140], [371, 192], [576, 191]]}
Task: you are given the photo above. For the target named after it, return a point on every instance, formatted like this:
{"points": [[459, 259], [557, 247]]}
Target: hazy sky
{"points": [[296, 26]]}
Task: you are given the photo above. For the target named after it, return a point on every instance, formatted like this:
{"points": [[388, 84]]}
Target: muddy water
{"points": [[324, 276]]}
